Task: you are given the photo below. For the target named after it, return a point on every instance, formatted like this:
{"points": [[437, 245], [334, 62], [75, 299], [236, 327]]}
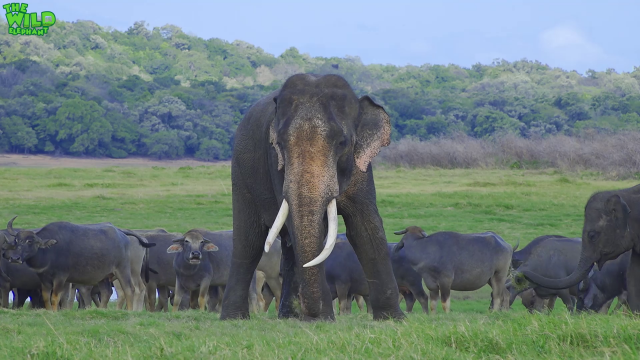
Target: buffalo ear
{"points": [[174, 248], [373, 131], [618, 210], [209, 247], [45, 244], [273, 139]]}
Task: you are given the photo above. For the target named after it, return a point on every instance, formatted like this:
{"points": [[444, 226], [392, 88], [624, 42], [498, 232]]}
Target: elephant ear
{"points": [[273, 139], [372, 133], [618, 210]]}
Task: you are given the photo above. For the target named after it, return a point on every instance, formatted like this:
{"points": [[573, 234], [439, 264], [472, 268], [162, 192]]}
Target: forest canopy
{"points": [[88, 90]]}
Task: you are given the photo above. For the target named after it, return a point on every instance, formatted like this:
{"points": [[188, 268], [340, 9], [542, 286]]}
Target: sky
{"points": [[573, 35]]}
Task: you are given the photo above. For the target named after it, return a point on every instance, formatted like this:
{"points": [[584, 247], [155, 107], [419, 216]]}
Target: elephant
{"points": [[611, 227], [302, 156]]}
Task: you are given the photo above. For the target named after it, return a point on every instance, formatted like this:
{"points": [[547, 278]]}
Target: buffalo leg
{"points": [[434, 295], [260, 281], [57, 291], [360, 302], [409, 301], [419, 294], [344, 300], [178, 293], [151, 290], [163, 299], [203, 296], [566, 299], [124, 277]]}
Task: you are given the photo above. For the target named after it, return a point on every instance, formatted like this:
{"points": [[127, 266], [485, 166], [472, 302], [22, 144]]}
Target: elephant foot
{"points": [[306, 318], [397, 315], [234, 315]]}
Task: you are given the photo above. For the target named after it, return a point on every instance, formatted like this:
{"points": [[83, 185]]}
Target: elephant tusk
{"points": [[277, 225], [332, 233]]}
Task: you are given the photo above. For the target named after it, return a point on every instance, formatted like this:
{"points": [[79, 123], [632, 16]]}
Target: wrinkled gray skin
{"points": [[345, 276], [611, 228], [602, 286], [63, 252], [408, 280], [462, 262], [199, 267], [310, 142], [553, 258]]}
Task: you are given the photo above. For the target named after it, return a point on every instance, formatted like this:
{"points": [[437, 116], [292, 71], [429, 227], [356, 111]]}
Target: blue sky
{"points": [[574, 35]]}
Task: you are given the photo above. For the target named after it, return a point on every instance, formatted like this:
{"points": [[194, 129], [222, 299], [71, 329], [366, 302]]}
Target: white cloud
{"points": [[567, 44]]}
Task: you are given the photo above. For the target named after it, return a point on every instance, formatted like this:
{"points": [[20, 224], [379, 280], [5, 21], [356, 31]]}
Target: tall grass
{"points": [[616, 156]]}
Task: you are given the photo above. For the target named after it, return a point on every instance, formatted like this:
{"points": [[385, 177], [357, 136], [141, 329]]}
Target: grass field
{"points": [[516, 204]]}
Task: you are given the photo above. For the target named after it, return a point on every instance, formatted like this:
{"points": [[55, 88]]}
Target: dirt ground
{"points": [[45, 161]]}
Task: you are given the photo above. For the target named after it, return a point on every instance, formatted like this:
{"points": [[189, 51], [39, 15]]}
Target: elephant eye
{"points": [[593, 235]]}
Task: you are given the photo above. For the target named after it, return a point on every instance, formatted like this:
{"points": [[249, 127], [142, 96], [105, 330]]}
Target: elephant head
{"points": [[321, 134], [606, 235]]}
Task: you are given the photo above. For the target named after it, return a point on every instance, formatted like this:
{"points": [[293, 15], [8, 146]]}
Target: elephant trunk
{"points": [[582, 270]]}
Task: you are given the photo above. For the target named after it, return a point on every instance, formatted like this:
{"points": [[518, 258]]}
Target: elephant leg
{"points": [[633, 282], [344, 299], [249, 236], [85, 295], [290, 284], [366, 235]]}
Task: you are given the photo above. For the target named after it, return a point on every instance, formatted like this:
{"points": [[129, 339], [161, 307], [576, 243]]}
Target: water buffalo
{"points": [[408, 280], [162, 262], [345, 276], [522, 255], [553, 258], [462, 262], [63, 252], [598, 290], [202, 260], [269, 267]]}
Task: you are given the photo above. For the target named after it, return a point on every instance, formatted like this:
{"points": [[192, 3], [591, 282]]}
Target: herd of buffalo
{"points": [[302, 157]]}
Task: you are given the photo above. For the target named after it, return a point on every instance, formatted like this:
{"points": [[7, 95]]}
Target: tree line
{"points": [[89, 90]]}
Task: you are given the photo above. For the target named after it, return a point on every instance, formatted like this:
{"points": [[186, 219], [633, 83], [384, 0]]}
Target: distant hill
{"points": [[87, 90]]}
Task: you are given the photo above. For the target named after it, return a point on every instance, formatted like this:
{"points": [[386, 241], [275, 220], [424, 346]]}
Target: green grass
{"points": [[516, 204]]}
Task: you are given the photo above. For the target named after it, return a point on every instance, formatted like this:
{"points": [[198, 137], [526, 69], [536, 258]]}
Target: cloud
{"points": [[567, 44]]}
